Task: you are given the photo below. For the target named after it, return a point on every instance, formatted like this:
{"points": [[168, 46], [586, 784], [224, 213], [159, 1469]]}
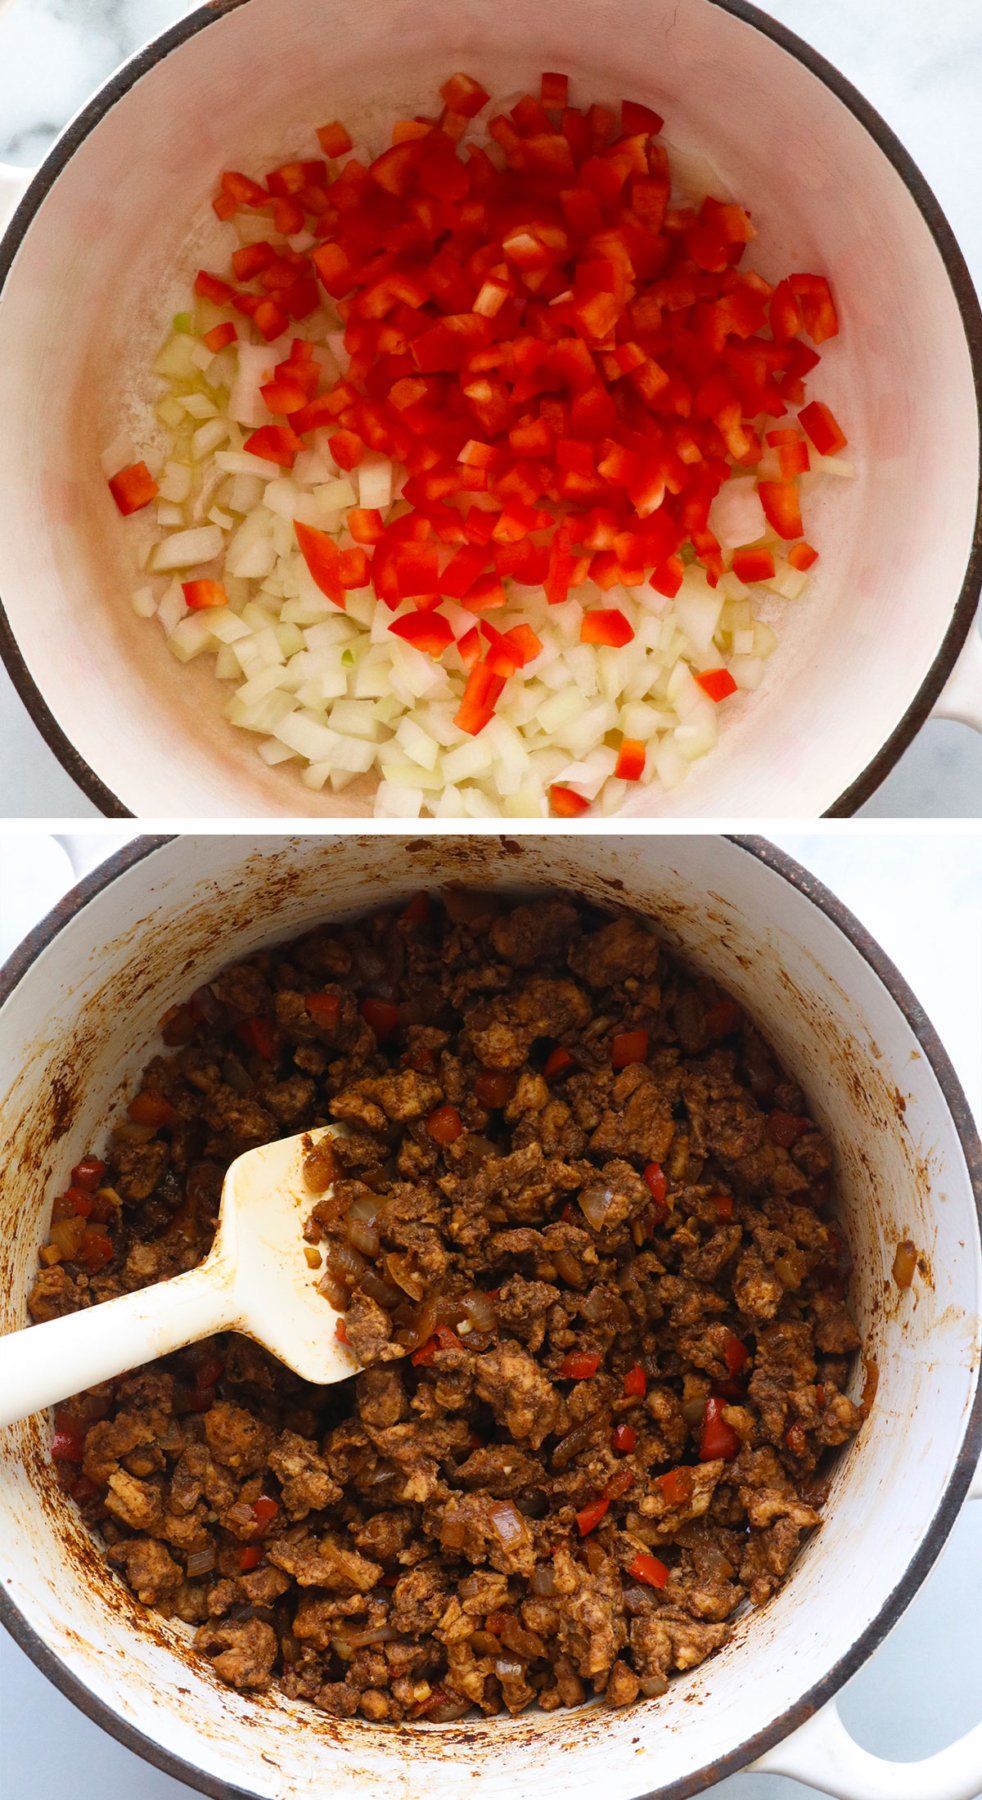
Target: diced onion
{"points": [[595, 1203], [480, 1310], [507, 1521], [183, 549]]}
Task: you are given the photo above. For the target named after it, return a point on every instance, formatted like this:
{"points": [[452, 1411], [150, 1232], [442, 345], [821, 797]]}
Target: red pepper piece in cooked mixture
{"points": [[585, 1433]]}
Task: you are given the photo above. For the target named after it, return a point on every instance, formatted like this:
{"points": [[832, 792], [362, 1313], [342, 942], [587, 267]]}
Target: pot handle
{"points": [[823, 1754], [14, 184], [961, 696]]}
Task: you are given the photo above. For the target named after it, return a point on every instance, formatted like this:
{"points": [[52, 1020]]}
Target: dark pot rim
{"points": [[950, 1501], [963, 612]]}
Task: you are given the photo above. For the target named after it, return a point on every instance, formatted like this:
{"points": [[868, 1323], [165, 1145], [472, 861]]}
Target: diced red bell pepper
{"points": [[462, 94], [823, 428], [630, 760], [635, 1383], [428, 631], [201, 594], [323, 559], [249, 1557], [657, 1182], [649, 1569], [817, 306], [270, 319], [628, 1047], [68, 1438], [443, 1339], [606, 627], [717, 683], [333, 138], [265, 1510], [335, 268], [95, 1252], [88, 1173], [717, 1438], [556, 1063], [792, 452], [243, 190], [753, 565], [481, 695], [148, 1108], [277, 443], [133, 488], [624, 1439], [802, 556], [220, 336], [417, 912], [259, 1034], [589, 1517], [554, 92], [579, 1365], [284, 396], [213, 288], [251, 259], [735, 1354], [782, 509], [347, 449], [416, 569], [469, 647], [637, 119], [353, 567], [341, 1332], [676, 1486], [365, 524], [566, 803], [381, 1016], [324, 1009], [786, 1128], [785, 313], [668, 577], [494, 1088], [445, 1125]]}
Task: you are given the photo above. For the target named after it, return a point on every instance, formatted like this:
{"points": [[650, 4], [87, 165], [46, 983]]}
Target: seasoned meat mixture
{"points": [[580, 1229]]}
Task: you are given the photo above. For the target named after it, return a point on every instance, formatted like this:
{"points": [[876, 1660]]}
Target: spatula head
{"points": [[260, 1245]]}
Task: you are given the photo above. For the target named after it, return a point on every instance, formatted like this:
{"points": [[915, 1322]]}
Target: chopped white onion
{"points": [[182, 549]]}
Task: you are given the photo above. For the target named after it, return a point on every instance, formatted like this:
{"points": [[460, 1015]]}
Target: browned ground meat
{"points": [[602, 1311]]}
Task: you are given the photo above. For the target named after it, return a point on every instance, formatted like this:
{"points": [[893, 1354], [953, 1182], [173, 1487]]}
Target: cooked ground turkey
{"points": [[581, 1231]]}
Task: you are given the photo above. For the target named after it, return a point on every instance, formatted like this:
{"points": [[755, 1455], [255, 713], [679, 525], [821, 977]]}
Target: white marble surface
{"points": [[921, 67], [921, 896]]}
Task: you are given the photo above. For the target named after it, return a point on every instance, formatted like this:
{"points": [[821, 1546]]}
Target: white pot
{"points": [[78, 1009], [113, 226]]}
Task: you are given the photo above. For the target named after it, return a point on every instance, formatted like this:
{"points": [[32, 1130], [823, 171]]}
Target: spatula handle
{"points": [[49, 1362]]}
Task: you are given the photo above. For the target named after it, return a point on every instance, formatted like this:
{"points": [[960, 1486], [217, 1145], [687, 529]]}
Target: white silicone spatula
{"points": [[255, 1279]]}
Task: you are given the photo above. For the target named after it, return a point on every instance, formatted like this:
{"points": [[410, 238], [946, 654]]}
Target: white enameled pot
{"points": [[78, 1009], [103, 245]]}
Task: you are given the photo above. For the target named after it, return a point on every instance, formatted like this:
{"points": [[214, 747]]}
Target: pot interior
{"points": [[109, 257], [81, 1021]]}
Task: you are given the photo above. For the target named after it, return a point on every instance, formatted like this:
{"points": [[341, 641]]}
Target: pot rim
{"points": [[963, 611], [950, 1502]]}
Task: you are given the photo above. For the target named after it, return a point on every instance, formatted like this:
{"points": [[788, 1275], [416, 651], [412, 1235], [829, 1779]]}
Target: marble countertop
{"points": [[921, 1689], [922, 69]]}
